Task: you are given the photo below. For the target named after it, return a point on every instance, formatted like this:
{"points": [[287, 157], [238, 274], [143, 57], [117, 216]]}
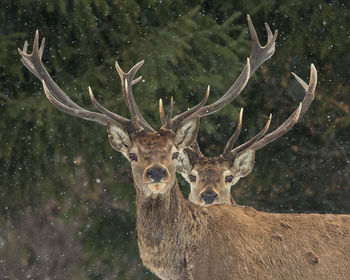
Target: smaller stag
{"points": [[211, 178]]}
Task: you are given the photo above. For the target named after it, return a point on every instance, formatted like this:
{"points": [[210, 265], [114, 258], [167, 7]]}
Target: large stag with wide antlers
{"points": [[180, 240]]}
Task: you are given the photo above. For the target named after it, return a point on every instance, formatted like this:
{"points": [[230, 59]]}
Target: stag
{"points": [[180, 240], [211, 178]]}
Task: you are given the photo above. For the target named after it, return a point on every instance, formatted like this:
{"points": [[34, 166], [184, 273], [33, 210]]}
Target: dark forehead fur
{"points": [[157, 139]]}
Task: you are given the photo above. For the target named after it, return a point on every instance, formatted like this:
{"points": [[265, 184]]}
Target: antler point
{"points": [[241, 113], [92, 97]]}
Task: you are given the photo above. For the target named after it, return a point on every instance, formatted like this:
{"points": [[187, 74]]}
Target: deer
{"points": [[181, 240], [211, 178]]}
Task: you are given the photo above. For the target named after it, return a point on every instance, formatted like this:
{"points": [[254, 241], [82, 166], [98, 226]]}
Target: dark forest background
{"points": [[66, 198]]}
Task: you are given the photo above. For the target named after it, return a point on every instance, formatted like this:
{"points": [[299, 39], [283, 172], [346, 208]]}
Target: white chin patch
{"points": [[213, 203], [157, 187]]}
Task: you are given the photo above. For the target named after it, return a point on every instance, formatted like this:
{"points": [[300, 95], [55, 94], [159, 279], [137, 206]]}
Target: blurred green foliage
{"points": [[67, 199]]}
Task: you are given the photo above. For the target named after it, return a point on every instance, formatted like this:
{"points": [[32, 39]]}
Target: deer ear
{"points": [[119, 139], [243, 164], [186, 134], [183, 164]]}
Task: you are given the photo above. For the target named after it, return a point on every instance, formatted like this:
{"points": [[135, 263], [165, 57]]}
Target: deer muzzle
{"points": [[156, 173], [209, 196]]}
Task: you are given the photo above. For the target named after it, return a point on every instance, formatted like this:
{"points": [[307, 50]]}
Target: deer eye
{"points": [[228, 179], [192, 178], [133, 157], [175, 155]]}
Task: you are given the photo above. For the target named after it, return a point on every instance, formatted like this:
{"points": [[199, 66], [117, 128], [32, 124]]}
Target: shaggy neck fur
{"points": [[162, 240]]}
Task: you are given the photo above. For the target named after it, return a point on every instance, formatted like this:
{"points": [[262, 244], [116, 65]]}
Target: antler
{"points": [[259, 140], [128, 81], [259, 54], [298, 113], [60, 99]]}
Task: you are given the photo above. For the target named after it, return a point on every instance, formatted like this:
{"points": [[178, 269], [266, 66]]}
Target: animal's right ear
{"points": [[183, 164], [119, 139]]}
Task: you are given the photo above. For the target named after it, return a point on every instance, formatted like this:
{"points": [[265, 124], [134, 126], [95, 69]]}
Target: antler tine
{"points": [[133, 111], [85, 114], [123, 77], [34, 64], [161, 112], [250, 142], [170, 112], [166, 121], [260, 54], [231, 142], [106, 112], [128, 81], [309, 89], [179, 118], [298, 113], [230, 95], [42, 47]]}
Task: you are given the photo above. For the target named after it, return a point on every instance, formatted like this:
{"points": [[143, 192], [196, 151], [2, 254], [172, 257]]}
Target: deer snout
{"points": [[209, 196], [156, 174]]}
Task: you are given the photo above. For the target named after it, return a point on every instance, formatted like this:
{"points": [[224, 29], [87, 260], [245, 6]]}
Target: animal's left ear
{"points": [[243, 164], [183, 164], [186, 134]]}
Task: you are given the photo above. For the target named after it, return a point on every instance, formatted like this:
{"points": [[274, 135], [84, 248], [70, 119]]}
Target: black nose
{"points": [[156, 174], [209, 197]]}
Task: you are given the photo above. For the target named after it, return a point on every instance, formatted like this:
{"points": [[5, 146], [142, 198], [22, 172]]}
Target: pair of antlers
{"points": [[259, 54]]}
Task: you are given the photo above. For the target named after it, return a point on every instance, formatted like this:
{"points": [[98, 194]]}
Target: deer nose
{"points": [[209, 197], [156, 174]]}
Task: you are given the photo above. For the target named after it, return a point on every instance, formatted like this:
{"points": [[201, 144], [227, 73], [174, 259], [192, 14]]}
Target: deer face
{"points": [[208, 181], [211, 178], [153, 155]]}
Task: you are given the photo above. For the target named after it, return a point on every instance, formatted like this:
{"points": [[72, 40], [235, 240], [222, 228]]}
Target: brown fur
{"points": [[180, 240], [210, 175]]}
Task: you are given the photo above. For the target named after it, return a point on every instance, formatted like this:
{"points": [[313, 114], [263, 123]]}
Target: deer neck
{"points": [[161, 211], [161, 224]]}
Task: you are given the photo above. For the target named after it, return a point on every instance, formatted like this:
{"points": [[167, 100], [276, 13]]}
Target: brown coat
{"points": [[180, 240]]}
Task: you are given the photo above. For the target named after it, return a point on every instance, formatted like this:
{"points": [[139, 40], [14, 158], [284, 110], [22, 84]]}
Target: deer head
{"points": [[147, 150], [211, 178]]}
